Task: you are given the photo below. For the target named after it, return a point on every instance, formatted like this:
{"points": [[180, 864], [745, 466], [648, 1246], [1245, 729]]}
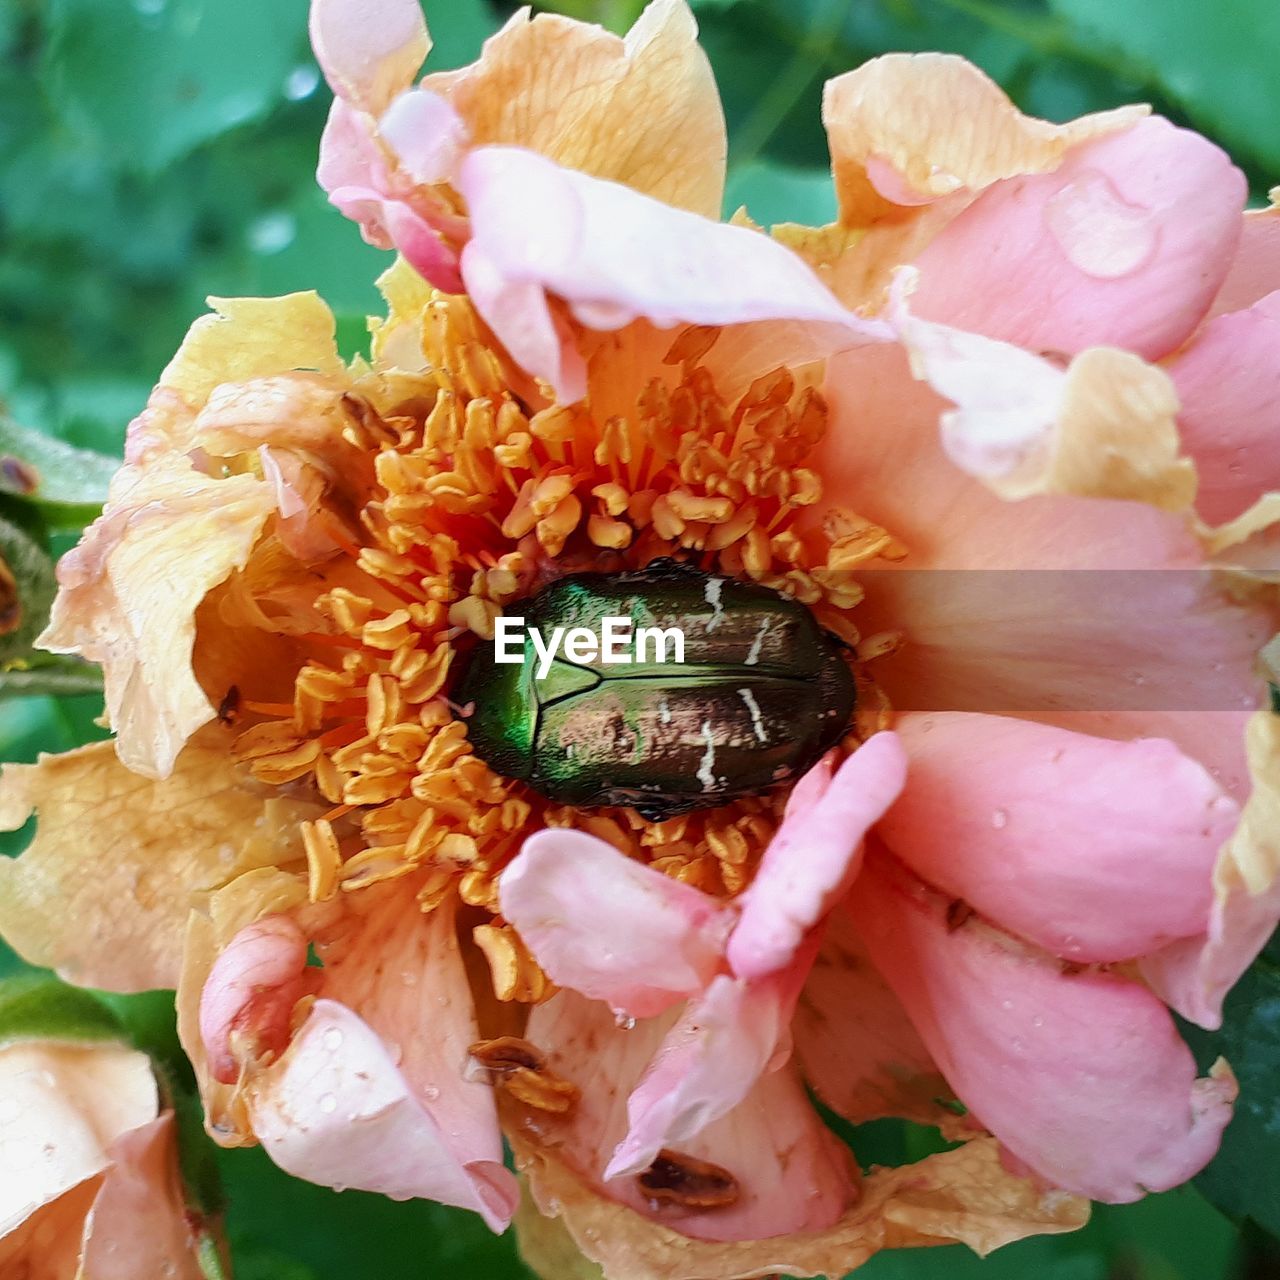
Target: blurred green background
{"points": [[153, 152]]}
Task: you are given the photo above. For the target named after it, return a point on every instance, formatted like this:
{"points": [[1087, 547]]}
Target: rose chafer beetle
{"points": [[762, 692]]}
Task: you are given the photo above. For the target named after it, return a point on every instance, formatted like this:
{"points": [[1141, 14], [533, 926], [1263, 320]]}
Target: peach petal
{"points": [[336, 1110], [1124, 244], [1195, 975], [110, 912], [1092, 849], [165, 514], [1228, 380], [139, 1223], [571, 91], [1081, 1076], [792, 1174], [369, 50], [607, 926], [616, 256], [814, 856], [250, 993], [62, 1106], [906, 129]]}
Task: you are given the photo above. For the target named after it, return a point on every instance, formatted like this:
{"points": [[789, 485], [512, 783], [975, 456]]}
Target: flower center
{"points": [[480, 493]]}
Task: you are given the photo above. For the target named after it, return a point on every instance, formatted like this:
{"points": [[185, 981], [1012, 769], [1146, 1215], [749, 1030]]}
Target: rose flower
{"points": [[1028, 362]]}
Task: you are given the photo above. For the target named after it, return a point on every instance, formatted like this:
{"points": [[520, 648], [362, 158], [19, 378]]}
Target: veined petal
{"points": [[369, 50], [906, 129], [1195, 975], [1081, 1076], [338, 1111], [607, 926], [813, 858], [643, 111], [1095, 850], [1124, 244], [1228, 380], [615, 256], [130, 590], [103, 892]]}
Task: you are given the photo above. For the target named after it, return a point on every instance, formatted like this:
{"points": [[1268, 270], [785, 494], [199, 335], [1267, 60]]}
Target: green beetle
{"points": [[761, 693]]}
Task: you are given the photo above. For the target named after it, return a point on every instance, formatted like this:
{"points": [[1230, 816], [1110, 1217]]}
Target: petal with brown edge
{"points": [[643, 111], [103, 891], [906, 129], [128, 595]]}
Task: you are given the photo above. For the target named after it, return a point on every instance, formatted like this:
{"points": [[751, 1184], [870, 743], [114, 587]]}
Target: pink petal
{"points": [[615, 256], [1124, 244], [248, 999], [349, 153], [812, 860], [1081, 1076], [792, 1174], [1093, 849], [426, 134], [336, 1110], [725, 1040], [1228, 380], [602, 924], [369, 50], [1255, 269], [138, 1225]]}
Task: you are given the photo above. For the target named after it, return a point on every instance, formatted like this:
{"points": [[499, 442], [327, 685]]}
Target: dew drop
{"points": [[430, 1092], [1000, 819], [332, 1039], [328, 1103], [1101, 233]]}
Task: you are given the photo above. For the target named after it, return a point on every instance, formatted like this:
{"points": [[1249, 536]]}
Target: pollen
{"points": [[468, 489]]}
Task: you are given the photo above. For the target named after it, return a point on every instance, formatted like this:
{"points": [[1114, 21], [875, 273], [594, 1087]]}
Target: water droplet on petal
{"points": [[1000, 819], [332, 1039], [1099, 230], [328, 1103]]}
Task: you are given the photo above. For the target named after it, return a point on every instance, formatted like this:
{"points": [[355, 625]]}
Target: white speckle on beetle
{"points": [[664, 711], [712, 592], [705, 774], [757, 721], [753, 654]]}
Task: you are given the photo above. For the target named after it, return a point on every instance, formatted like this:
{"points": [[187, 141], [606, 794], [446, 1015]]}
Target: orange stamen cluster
{"points": [[476, 498]]}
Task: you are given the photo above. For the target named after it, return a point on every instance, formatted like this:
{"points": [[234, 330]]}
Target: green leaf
{"points": [[144, 82], [33, 578], [54, 474], [777, 193], [1244, 1178], [57, 676], [39, 1007], [1218, 61]]}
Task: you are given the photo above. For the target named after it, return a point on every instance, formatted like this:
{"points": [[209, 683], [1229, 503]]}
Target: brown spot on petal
{"points": [[675, 1178], [958, 913]]}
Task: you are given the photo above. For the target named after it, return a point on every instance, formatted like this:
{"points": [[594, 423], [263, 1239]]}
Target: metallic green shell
{"points": [[762, 693]]}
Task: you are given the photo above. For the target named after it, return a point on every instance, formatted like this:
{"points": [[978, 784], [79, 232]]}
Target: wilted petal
{"points": [[1081, 1076], [791, 1174], [338, 1111], [129, 592], [1228, 380], [103, 891], [1124, 244], [616, 256], [62, 1106], [1093, 849], [609, 927], [570, 91], [905, 129], [812, 859], [724, 1041], [369, 50], [1104, 427], [1195, 975]]}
